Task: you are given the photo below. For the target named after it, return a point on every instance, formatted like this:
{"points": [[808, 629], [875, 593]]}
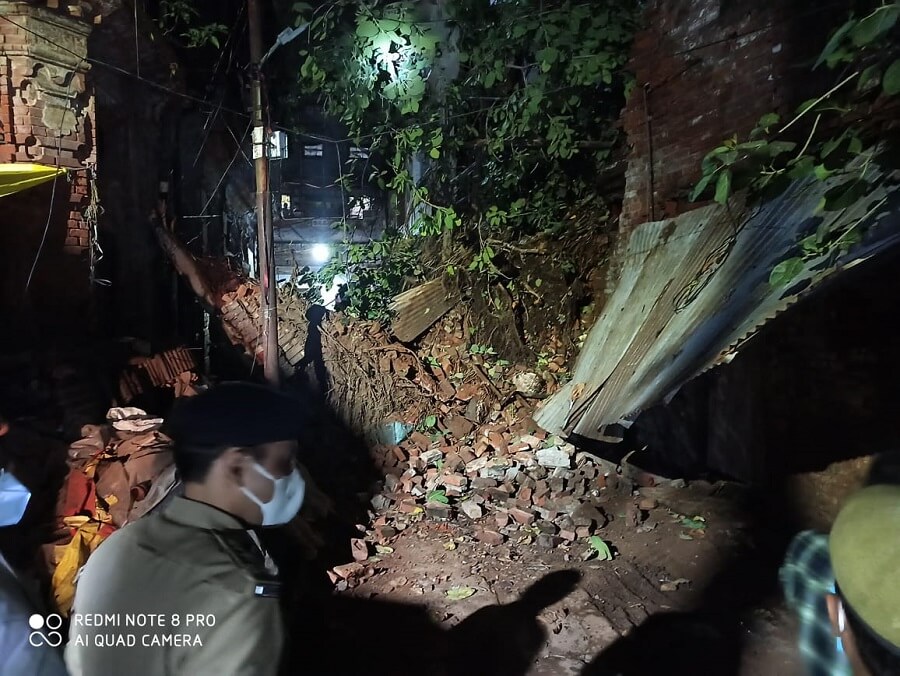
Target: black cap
{"points": [[235, 414]]}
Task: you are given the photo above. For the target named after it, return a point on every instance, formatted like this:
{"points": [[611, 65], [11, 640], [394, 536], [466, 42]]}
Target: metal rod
{"points": [[268, 301], [651, 211]]}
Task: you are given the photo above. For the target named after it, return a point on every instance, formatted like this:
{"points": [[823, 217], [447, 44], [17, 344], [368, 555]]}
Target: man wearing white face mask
{"points": [[23, 649], [195, 575]]}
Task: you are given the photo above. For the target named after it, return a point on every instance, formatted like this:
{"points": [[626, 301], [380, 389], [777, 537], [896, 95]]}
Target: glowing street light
{"points": [[321, 253]]}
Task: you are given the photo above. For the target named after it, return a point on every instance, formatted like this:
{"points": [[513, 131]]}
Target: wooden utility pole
{"points": [[269, 304]]}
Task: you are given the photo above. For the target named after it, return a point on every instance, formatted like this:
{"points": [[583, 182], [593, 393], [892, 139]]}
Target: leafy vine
{"points": [[835, 143]]}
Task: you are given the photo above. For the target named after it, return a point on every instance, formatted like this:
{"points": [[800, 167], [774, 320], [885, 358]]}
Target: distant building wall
{"points": [[46, 117], [707, 69]]}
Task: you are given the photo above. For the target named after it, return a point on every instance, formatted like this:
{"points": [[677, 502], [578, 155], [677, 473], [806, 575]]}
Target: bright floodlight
{"points": [[321, 253]]}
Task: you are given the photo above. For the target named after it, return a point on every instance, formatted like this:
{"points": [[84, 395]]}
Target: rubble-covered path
{"points": [[686, 592]]}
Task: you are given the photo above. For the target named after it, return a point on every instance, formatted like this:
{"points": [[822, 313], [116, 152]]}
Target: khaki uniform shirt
{"points": [[185, 591]]}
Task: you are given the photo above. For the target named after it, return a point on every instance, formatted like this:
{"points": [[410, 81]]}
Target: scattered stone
{"points": [[568, 535], [497, 495], [561, 473], [532, 441], [471, 510], [582, 532], [553, 457], [438, 511], [565, 522], [526, 459], [673, 585], [420, 440], [491, 537], [647, 504], [501, 519], [633, 515], [546, 541], [547, 527], [546, 514], [529, 384], [348, 570], [459, 426], [380, 502], [456, 480], [359, 548], [588, 515], [391, 484], [431, 457], [385, 533], [453, 462], [466, 454], [522, 517], [475, 410]]}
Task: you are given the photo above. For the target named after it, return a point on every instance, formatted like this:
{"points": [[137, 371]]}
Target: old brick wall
{"points": [[707, 69], [46, 117]]}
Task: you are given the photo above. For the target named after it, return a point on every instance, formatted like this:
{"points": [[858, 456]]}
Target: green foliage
{"points": [[438, 496], [512, 141], [485, 350], [599, 549], [374, 272], [180, 15], [774, 154]]}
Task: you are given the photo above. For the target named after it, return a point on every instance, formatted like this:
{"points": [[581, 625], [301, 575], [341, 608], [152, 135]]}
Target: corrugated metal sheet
{"points": [[420, 307], [692, 288]]}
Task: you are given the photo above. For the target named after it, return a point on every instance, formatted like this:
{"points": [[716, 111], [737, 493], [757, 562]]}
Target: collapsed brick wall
{"points": [[46, 117], [705, 70]]}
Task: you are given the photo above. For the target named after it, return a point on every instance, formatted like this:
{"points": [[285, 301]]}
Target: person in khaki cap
{"points": [[864, 545], [190, 590]]}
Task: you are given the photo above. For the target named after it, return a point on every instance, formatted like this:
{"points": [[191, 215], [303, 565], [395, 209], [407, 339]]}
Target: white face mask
{"points": [[13, 499], [286, 499]]}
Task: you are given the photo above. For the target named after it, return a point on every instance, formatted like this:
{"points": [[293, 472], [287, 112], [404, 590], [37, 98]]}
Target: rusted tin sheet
{"points": [[416, 310], [692, 289]]}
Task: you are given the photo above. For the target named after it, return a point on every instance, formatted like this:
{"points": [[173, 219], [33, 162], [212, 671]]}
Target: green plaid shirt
{"points": [[806, 578]]}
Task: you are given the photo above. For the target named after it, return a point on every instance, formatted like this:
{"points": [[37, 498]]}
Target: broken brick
{"points": [[522, 517], [647, 504], [457, 480], [408, 507], [471, 510], [547, 541], [459, 426], [438, 511], [491, 537], [420, 440], [467, 454]]}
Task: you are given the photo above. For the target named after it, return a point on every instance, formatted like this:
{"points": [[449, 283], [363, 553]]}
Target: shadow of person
{"points": [[676, 644], [504, 640], [347, 635], [312, 352]]}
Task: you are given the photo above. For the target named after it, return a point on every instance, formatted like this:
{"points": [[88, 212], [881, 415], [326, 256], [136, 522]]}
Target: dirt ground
{"points": [[682, 599]]}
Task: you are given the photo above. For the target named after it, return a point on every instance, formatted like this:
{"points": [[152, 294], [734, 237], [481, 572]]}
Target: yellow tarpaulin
{"points": [[71, 557], [20, 176]]}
